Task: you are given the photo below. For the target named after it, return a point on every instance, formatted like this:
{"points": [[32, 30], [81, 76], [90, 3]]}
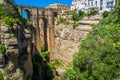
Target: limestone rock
{"points": [[2, 61], [27, 33], [7, 36], [4, 29], [11, 41], [67, 41], [16, 42]]}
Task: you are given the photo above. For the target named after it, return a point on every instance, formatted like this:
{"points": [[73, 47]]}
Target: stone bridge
{"points": [[43, 22]]}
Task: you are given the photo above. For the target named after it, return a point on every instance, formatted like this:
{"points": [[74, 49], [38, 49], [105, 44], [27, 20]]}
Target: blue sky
{"points": [[41, 3]]}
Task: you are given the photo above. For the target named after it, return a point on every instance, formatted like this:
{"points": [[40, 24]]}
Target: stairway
{"points": [[94, 19]]}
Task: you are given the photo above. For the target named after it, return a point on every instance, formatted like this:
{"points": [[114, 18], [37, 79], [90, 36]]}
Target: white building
{"points": [[1, 1], [102, 5], [59, 6]]}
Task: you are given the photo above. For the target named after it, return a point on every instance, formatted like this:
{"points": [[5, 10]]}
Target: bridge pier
{"points": [[51, 38], [43, 24]]}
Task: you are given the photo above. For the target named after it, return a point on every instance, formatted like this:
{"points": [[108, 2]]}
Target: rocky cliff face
{"points": [[16, 63], [67, 40]]}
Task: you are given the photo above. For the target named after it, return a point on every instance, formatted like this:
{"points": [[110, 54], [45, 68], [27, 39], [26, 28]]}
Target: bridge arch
{"points": [[26, 13], [55, 14]]}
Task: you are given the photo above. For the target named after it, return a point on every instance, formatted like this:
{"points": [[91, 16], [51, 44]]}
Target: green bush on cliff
{"points": [[77, 15], [41, 68], [2, 49], [99, 54], [105, 14], [1, 76], [92, 11], [10, 21], [64, 21], [2, 12], [7, 14]]}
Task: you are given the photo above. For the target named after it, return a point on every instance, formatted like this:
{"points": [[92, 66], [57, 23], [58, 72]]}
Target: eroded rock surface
{"points": [[67, 41], [16, 62]]}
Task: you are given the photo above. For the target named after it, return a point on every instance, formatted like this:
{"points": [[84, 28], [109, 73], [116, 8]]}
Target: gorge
{"points": [[37, 49]]}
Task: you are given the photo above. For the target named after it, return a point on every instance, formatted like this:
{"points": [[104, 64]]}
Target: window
{"points": [[85, 4], [96, 2], [91, 3], [101, 8], [101, 2], [88, 4]]}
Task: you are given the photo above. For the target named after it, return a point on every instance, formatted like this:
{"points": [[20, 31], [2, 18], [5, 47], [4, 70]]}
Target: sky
{"points": [[41, 3]]}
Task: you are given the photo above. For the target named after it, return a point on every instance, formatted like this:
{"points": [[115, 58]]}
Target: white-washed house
{"points": [[102, 5]]}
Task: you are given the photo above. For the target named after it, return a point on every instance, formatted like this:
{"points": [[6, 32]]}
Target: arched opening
{"points": [[55, 14], [26, 14]]}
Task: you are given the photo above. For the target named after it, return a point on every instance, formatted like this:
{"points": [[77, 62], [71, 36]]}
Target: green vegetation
{"points": [[56, 63], [76, 15], [1, 76], [99, 54], [41, 68], [105, 14], [44, 53], [2, 49], [64, 21], [10, 21], [7, 15], [92, 11], [75, 25]]}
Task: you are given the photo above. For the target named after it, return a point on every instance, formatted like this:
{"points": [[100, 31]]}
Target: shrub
{"points": [[1, 76], [92, 11], [41, 67], [81, 13], [105, 14], [10, 21], [64, 21], [78, 15], [2, 49], [75, 25]]}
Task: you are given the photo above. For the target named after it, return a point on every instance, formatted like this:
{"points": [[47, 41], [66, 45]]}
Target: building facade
{"points": [[59, 6], [1, 1], [102, 5]]}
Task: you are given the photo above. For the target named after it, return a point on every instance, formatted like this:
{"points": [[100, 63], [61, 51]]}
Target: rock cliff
{"points": [[16, 62], [67, 40]]}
